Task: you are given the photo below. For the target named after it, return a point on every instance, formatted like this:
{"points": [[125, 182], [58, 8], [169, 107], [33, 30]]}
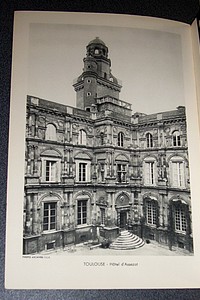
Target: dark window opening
{"points": [[82, 171], [181, 245], [149, 140], [50, 245]]}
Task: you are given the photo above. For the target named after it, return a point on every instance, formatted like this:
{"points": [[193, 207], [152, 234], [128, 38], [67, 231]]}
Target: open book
{"points": [[104, 153]]}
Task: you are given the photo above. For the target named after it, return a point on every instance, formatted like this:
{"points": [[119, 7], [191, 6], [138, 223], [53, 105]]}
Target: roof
{"points": [[97, 40]]}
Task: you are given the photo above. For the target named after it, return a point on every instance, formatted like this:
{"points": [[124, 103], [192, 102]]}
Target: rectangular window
{"points": [[151, 213], [82, 212], [102, 212], [82, 172], [178, 174], [50, 170], [49, 216], [180, 220], [121, 173], [149, 173]]}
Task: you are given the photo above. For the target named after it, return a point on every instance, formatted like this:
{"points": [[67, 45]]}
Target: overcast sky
{"points": [[148, 62]]}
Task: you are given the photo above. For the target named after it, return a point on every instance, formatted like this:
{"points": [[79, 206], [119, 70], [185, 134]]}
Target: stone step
{"points": [[127, 241], [127, 238]]}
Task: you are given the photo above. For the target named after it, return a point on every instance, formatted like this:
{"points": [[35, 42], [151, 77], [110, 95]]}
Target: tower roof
{"points": [[97, 40]]}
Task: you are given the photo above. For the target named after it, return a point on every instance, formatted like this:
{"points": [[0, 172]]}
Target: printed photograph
{"points": [[106, 160]]}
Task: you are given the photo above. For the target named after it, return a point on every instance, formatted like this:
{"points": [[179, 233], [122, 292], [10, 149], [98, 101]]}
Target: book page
{"points": [[104, 165]]}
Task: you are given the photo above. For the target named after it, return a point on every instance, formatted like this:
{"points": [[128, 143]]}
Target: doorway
{"points": [[123, 219]]}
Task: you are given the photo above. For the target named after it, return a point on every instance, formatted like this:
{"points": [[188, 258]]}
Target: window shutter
{"points": [[43, 170], [182, 174], [58, 171], [154, 172], [147, 173], [175, 174]]}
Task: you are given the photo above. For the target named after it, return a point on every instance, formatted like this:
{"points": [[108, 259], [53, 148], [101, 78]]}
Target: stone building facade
{"points": [[97, 168]]}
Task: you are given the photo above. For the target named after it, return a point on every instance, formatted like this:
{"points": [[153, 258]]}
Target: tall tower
{"points": [[96, 81]]}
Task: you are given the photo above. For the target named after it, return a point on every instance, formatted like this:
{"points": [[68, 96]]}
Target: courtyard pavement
{"points": [[151, 249]]}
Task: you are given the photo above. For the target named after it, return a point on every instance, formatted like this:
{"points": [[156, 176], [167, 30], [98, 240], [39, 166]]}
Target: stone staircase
{"points": [[127, 241]]}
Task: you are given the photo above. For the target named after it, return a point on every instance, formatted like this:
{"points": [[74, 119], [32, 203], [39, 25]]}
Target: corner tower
{"points": [[96, 81]]}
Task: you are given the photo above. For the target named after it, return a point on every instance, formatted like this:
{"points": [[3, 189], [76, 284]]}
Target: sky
{"points": [[148, 62]]}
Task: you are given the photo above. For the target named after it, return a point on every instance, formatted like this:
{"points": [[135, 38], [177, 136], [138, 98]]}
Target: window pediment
{"points": [[51, 152], [121, 158], [82, 156]]}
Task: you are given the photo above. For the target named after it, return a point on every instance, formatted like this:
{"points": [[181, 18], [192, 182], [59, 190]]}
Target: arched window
{"points": [[96, 51], [51, 132], [82, 137], [176, 138], [149, 139], [120, 139]]}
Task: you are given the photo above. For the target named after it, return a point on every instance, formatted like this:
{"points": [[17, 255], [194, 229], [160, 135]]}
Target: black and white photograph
{"points": [[104, 170], [105, 145]]}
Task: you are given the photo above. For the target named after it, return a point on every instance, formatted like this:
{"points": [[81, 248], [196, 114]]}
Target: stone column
{"points": [[114, 213], [35, 166], [36, 125], [29, 124], [33, 125], [28, 159], [72, 166], [112, 164], [28, 215], [34, 215], [94, 209], [68, 131], [108, 163], [65, 168], [71, 210], [31, 159], [66, 210], [111, 207]]}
